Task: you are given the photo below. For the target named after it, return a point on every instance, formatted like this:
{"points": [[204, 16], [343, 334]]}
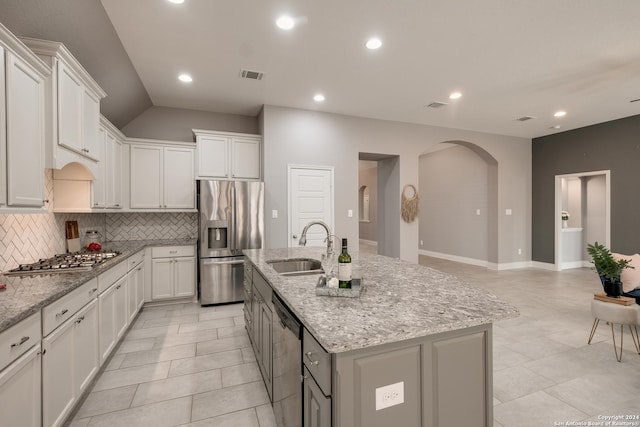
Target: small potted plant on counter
{"points": [[608, 268]]}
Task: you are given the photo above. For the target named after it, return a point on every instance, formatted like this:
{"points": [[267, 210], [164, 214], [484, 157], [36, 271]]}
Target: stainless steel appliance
{"points": [[64, 263], [287, 367], [231, 219]]}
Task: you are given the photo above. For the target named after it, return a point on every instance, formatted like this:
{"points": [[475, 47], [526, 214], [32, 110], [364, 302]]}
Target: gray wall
{"points": [[453, 185], [369, 177], [176, 124], [316, 138], [607, 146]]}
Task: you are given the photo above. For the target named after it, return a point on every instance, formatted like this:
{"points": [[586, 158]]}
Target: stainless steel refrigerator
{"points": [[230, 219]]}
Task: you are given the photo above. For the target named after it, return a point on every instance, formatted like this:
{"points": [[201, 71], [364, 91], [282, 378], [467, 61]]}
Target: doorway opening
{"points": [[582, 216], [378, 201]]}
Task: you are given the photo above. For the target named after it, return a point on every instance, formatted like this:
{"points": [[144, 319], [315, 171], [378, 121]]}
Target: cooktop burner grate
{"points": [[64, 263]]}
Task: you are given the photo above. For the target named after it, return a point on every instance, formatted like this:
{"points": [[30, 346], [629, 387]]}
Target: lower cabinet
{"points": [[316, 406], [135, 285], [262, 328], [173, 272], [121, 307], [69, 363], [21, 373]]}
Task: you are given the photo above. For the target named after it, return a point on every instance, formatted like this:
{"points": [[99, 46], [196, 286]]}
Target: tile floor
{"points": [[187, 364]]}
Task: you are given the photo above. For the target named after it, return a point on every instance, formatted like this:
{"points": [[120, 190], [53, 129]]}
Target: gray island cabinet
{"points": [[414, 349]]}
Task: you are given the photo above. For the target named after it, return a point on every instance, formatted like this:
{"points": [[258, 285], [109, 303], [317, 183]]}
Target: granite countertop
{"points": [[399, 301], [26, 294]]}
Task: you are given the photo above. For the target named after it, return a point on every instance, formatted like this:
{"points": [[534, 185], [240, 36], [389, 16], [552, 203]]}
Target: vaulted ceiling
{"points": [[509, 59]]}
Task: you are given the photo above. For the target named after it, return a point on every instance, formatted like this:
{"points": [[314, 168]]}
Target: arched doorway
{"points": [[459, 203]]}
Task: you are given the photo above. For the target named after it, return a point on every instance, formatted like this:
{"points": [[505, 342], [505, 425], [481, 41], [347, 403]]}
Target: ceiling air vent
{"points": [[251, 75], [436, 104], [524, 118]]}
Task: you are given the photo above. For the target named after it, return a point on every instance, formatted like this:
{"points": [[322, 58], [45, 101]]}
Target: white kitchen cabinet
{"points": [[20, 388], [72, 105], [22, 120], [112, 308], [69, 363], [121, 307], [107, 323], [173, 270], [162, 177], [20, 373], [135, 284], [227, 155], [106, 188]]}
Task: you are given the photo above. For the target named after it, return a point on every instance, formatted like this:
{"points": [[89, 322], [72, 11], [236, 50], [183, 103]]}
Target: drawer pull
{"points": [[79, 319], [22, 341], [93, 291], [313, 362], [118, 287], [62, 313], [173, 252]]}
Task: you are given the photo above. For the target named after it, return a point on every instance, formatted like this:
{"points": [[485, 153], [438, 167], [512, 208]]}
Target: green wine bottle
{"points": [[344, 267]]}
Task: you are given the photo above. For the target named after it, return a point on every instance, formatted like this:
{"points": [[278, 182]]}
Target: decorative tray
{"points": [[354, 292]]}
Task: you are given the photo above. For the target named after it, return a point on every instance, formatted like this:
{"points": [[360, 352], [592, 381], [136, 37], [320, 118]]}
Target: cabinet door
{"points": [[245, 158], [184, 276], [20, 388], [25, 134], [133, 295], [90, 125], [107, 323], [122, 308], [114, 172], [70, 95], [86, 349], [213, 156], [58, 370], [266, 342], [146, 177], [99, 183], [162, 278], [316, 407], [179, 178], [256, 332], [140, 285]]}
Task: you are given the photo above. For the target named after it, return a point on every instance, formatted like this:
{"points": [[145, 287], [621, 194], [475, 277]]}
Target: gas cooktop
{"points": [[64, 263]]}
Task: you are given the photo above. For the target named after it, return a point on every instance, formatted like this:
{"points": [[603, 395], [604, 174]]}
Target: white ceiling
{"points": [[509, 58]]}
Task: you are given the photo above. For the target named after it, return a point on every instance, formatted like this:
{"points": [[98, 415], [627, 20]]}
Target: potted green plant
{"points": [[608, 268]]}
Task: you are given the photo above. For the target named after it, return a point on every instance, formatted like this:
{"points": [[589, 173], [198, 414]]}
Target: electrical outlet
{"points": [[274, 213], [421, 242], [477, 211], [508, 212], [389, 395], [519, 251], [350, 213]]}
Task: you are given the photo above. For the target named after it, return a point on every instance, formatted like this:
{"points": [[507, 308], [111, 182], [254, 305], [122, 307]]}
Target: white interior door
{"points": [[310, 199]]}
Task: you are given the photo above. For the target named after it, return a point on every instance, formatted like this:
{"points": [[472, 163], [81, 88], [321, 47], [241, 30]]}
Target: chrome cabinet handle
{"points": [[94, 290], [173, 252], [62, 313], [22, 341], [313, 362], [41, 352], [79, 320], [118, 287]]}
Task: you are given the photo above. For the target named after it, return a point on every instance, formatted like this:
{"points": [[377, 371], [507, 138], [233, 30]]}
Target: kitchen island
{"points": [[423, 333]]}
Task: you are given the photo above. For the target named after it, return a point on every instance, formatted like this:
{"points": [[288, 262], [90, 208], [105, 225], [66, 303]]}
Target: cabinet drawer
{"points": [[111, 276], [317, 361], [57, 312], [172, 251], [135, 260], [19, 338]]}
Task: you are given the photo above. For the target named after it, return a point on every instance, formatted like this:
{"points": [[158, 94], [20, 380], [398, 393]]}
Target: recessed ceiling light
{"points": [[319, 97], [455, 95], [186, 78], [285, 22], [560, 114], [373, 43], [176, 1]]}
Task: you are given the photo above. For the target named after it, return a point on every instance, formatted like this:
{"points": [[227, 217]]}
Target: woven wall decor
{"points": [[409, 205]]}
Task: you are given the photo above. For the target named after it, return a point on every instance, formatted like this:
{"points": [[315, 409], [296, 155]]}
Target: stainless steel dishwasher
{"points": [[287, 367]]}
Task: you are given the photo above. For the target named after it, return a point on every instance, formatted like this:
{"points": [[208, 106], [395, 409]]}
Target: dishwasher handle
{"points": [[240, 261], [287, 319]]}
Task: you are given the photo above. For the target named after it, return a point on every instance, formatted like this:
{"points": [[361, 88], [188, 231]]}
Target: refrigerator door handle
{"points": [[240, 261], [234, 220]]}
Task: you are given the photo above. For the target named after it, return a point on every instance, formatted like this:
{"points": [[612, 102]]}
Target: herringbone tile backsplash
{"points": [[146, 226], [26, 238]]}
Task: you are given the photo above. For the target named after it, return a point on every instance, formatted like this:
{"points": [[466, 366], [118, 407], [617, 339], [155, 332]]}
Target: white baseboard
{"points": [[369, 242], [448, 257], [509, 265], [572, 264], [544, 265]]}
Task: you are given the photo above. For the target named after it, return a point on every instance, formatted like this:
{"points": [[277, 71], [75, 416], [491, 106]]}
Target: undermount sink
{"points": [[296, 267]]}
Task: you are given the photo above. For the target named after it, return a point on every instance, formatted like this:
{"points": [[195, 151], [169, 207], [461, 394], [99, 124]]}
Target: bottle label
{"points": [[344, 271]]}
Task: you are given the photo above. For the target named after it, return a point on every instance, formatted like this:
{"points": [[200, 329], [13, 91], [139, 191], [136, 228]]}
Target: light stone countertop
{"points": [[26, 294], [399, 301]]}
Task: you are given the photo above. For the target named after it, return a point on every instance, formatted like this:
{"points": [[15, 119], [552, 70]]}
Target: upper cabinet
{"points": [[72, 108], [22, 121], [227, 155], [162, 175], [106, 188]]}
